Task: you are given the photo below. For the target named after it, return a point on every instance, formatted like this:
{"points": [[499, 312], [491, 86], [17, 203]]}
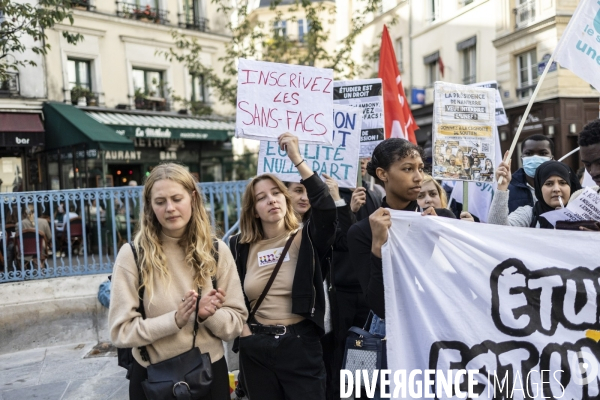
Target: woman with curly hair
{"points": [[175, 262]]}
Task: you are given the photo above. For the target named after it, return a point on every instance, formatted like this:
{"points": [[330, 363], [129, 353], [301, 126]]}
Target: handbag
{"points": [[124, 355], [364, 351]]}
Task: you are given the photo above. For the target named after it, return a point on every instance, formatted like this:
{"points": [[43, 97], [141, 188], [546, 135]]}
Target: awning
{"points": [[165, 127], [69, 126], [21, 129]]}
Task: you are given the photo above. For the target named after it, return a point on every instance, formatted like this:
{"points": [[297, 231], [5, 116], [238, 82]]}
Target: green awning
{"points": [[68, 126], [164, 126]]}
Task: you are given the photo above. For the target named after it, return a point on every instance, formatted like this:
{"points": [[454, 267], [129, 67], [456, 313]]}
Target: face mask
{"points": [[530, 164]]}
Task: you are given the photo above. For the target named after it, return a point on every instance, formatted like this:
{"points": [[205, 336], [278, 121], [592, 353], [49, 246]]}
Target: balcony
{"points": [[142, 13], [193, 22], [152, 103], [10, 86], [82, 5], [524, 14]]}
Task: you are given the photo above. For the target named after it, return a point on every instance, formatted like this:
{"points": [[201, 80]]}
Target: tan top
{"points": [[276, 309], [159, 331]]}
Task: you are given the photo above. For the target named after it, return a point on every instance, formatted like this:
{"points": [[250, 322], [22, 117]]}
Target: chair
{"points": [[29, 247], [76, 229]]}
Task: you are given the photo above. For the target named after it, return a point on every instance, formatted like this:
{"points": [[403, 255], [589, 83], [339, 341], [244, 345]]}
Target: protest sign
{"points": [[339, 160], [514, 305], [276, 98], [578, 44], [464, 120], [583, 208], [366, 94], [501, 118]]}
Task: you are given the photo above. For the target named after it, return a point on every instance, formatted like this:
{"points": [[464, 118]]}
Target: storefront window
{"points": [[11, 174]]}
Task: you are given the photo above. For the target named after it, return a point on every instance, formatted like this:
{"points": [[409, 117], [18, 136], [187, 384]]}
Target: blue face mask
{"points": [[530, 164]]}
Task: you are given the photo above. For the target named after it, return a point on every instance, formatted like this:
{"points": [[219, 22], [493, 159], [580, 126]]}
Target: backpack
{"points": [[125, 355]]}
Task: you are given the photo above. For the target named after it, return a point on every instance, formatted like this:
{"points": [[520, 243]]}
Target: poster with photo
{"points": [[368, 95], [464, 121]]}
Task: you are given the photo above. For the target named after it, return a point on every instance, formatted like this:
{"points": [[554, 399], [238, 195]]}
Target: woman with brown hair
{"points": [[175, 263], [280, 352]]}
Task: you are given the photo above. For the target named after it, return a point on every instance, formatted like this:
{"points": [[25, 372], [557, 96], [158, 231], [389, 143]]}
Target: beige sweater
{"points": [[159, 331]]}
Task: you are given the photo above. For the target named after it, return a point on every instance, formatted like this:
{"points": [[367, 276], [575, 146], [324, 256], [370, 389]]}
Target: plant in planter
{"points": [[79, 92], [146, 13], [80, 4]]}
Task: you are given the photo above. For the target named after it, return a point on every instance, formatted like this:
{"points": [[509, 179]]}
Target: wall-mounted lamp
{"points": [[573, 128], [503, 136], [550, 130]]}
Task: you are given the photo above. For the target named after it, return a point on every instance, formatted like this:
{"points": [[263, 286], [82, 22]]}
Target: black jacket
{"points": [[368, 266], [519, 193], [318, 233]]}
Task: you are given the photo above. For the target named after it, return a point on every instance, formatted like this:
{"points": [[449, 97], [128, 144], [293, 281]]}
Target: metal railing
{"points": [[142, 12], [10, 85], [85, 236], [193, 22], [82, 5], [524, 14]]}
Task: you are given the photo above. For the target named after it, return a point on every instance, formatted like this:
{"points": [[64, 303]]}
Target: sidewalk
{"points": [[61, 373]]}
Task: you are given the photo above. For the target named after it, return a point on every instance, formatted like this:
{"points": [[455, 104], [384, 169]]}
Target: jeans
{"points": [[378, 328]]}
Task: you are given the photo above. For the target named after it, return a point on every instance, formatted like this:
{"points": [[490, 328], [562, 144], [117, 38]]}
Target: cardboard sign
{"points": [[276, 98], [368, 95], [464, 131], [339, 160]]}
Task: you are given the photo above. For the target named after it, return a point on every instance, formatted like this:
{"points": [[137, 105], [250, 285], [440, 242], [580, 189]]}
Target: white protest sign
{"points": [[501, 118], [339, 160], [585, 207], [276, 98], [464, 121], [578, 44], [368, 95], [504, 302]]}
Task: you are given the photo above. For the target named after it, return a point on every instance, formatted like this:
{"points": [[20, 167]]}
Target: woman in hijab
{"points": [[553, 183]]}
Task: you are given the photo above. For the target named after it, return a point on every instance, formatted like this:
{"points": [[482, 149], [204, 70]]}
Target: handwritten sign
{"points": [[277, 98], [464, 126], [368, 95], [585, 207], [338, 160]]}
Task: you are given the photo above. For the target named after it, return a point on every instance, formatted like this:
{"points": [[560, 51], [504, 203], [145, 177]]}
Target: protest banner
{"points": [[504, 302], [366, 94], [276, 98], [463, 133], [339, 160]]}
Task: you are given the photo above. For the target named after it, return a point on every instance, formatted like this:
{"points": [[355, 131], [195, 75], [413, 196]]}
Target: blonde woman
{"points": [[432, 194], [280, 352], [177, 264]]}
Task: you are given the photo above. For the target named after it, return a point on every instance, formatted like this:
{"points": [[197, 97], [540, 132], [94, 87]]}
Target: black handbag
{"points": [[364, 351], [187, 376]]}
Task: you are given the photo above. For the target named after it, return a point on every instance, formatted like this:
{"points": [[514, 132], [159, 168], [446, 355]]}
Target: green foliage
{"points": [[19, 20], [251, 40]]}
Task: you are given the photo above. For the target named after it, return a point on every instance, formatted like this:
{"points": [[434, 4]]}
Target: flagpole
{"points": [[465, 206], [568, 154], [531, 100]]}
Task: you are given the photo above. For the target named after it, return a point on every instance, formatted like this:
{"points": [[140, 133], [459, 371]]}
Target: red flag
{"points": [[441, 64], [399, 121]]}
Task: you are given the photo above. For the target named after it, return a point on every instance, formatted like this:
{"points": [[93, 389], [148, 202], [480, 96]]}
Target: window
{"points": [[527, 73], [399, 53], [79, 73], [469, 61], [433, 10], [194, 14], [303, 29], [148, 82], [198, 88], [280, 28], [432, 68], [524, 13]]}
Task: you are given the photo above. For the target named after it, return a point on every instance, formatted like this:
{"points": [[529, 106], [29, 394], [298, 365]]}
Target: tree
{"points": [[251, 40], [19, 20]]}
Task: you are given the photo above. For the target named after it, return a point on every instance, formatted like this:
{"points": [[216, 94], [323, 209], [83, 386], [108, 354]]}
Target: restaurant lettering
{"points": [[159, 143], [152, 132], [123, 155]]}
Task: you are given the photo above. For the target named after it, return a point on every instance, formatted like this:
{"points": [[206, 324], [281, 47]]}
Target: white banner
{"points": [[276, 98], [508, 302], [368, 95], [339, 160], [578, 44]]}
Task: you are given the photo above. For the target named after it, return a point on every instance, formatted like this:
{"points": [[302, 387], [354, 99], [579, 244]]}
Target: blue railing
{"points": [[78, 232]]}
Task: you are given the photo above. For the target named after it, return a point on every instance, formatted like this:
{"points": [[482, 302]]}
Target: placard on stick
{"points": [[276, 98], [339, 160], [368, 95], [464, 123]]}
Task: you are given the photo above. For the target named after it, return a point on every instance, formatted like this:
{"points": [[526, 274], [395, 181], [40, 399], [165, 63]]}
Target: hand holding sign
{"points": [[380, 222], [334, 189], [503, 171], [289, 143]]}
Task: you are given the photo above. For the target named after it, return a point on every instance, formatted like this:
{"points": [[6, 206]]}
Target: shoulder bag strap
{"points": [[273, 275], [140, 309]]}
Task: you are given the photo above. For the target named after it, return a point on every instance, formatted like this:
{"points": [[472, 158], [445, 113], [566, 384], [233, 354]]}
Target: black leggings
{"points": [[219, 389]]}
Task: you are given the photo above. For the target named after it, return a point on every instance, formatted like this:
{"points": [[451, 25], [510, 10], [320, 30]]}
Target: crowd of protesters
{"points": [[304, 268]]}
